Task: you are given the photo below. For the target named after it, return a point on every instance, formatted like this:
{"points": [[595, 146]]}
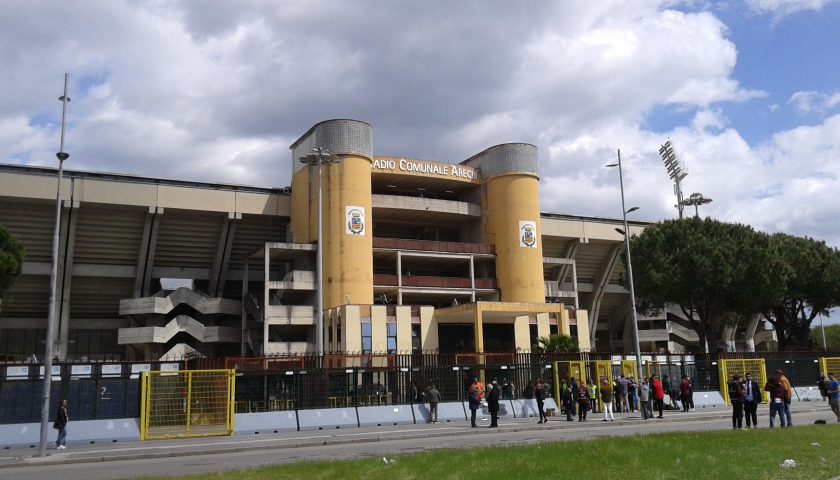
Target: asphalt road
{"points": [[189, 456]]}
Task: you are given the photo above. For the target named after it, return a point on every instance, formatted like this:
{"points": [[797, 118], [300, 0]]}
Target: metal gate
{"points": [[830, 365], [192, 403], [727, 368]]}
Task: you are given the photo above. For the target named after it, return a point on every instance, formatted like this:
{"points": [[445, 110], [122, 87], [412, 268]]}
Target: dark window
{"points": [[532, 330], [392, 337], [416, 339], [367, 341]]}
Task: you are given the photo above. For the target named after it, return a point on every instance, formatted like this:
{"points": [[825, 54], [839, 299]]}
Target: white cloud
{"points": [[814, 102], [786, 7]]}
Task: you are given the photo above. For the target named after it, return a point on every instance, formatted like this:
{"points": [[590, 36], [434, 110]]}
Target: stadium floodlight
{"points": [[626, 234], [696, 199], [318, 158], [676, 172]]}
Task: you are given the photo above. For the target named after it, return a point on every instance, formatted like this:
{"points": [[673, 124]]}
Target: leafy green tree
{"points": [[559, 343], [11, 260], [832, 338], [715, 272], [812, 288]]}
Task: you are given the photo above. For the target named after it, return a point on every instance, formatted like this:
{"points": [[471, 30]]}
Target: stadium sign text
{"points": [[429, 168]]}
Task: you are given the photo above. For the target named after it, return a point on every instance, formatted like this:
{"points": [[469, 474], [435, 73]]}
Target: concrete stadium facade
{"points": [[418, 255]]}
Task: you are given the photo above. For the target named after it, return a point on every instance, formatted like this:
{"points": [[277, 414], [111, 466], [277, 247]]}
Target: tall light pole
{"points": [[48, 350], [676, 171], [626, 233], [319, 157]]}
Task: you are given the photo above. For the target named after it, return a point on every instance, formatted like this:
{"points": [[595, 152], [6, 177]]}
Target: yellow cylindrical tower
{"points": [[346, 208], [348, 236], [512, 219]]}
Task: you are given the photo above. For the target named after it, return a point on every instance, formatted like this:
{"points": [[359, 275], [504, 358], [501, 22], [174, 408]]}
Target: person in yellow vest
{"points": [[593, 405]]}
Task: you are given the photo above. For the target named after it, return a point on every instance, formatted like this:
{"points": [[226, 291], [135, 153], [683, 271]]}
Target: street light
{"points": [[319, 157], [696, 199], [676, 171], [626, 234], [48, 350]]}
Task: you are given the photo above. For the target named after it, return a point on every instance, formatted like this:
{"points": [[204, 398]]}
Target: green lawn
{"points": [[754, 454]]}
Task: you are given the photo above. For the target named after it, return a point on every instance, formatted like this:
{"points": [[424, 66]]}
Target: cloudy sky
{"points": [[217, 91]]}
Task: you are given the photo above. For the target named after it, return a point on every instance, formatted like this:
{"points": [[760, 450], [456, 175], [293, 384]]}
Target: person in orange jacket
{"points": [[788, 395]]}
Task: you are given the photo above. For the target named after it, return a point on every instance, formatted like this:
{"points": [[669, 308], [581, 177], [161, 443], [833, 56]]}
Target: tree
{"points": [[832, 338], [715, 272], [812, 288], [11, 260], [559, 343]]}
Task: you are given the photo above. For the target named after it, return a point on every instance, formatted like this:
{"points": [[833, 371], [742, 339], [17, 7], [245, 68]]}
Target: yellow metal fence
{"points": [[193, 403], [830, 365], [754, 366]]}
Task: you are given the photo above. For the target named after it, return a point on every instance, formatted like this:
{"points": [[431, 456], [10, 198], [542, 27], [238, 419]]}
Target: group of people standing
{"points": [[745, 395], [621, 395]]}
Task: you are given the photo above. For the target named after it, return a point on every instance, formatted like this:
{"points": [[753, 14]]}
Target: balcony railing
{"points": [[433, 281], [433, 246]]}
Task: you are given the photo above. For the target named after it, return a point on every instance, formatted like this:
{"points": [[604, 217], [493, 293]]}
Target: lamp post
{"points": [[696, 199], [626, 234], [48, 350], [319, 157]]}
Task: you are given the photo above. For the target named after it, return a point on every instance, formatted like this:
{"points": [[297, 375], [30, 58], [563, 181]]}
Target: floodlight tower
{"points": [[676, 171]]}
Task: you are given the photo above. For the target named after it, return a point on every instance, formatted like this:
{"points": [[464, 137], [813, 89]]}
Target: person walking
{"points": [[658, 394], [60, 424], [777, 399], [433, 396], [539, 395], [631, 393], [685, 393], [583, 401], [621, 401], [569, 400], [788, 395], [473, 402], [752, 397], [736, 398], [833, 391], [606, 392], [593, 395], [493, 394], [644, 399]]}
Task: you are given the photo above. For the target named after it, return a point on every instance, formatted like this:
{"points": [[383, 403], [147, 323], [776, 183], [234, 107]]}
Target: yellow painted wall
{"points": [[583, 330], [404, 328], [348, 258], [563, 322], [429, 328], [522, 332], [543, 328], [379, 334], [519, 270], [351, 334]]}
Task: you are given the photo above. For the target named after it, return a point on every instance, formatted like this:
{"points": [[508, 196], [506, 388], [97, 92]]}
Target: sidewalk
{"points": [[136, 450]]}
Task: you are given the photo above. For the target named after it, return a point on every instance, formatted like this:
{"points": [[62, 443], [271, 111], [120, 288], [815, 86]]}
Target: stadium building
{"points": [[417, 256]]}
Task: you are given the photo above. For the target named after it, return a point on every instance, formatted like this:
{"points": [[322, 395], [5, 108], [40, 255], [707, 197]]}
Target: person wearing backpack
{"points": [[736, 397], [61, 425]]}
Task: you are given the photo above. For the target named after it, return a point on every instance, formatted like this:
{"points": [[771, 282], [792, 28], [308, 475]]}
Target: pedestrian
{"points": [[672, 390], [788, 395], [583, 401], [539, 394], [473, 400], [685, 393], [593, 395], [569, 400], [833, 391], [658, 394], [644, 399], [736, 398], [493, 394], [631, 393], [822, 385], [752, 397], [622, 394], [606, 392], [60, 424], [777, 399], [433, 396]]}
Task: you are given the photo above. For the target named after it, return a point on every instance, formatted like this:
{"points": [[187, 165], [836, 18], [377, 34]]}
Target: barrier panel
{"points": [[830, 365], [193, 403], [755, 366]]}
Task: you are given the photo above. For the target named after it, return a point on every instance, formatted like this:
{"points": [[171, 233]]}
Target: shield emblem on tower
{"points": [[527, 234], [355, 221]]}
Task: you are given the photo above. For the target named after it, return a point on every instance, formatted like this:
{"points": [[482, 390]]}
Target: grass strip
{"points": [[716, 455]]}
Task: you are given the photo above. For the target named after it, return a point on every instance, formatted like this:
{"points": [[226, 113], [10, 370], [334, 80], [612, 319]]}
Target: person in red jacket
{"points": [[657, 393]]}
